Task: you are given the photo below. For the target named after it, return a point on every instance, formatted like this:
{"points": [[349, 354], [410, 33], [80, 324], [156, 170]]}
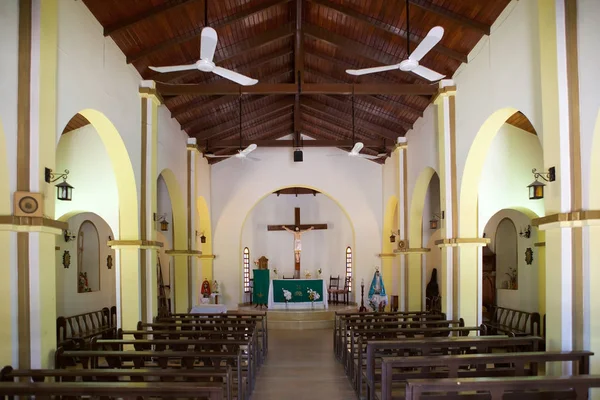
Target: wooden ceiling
{"points": [[294, 46]]}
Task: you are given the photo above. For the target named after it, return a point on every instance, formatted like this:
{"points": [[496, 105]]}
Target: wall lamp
{"points": [[393, 235], [536, 188], [162, 220], [68, 235], [64, 191], [434, 222], [202, 237]]}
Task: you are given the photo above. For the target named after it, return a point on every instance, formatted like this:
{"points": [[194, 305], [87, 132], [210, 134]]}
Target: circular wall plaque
{"points": [[28, 205]]}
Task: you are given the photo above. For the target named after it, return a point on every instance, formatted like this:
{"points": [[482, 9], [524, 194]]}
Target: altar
{"points": [[299, 290]]}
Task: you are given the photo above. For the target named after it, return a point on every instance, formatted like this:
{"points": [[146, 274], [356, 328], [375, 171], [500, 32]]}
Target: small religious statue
{"points": [[215, 287], [205, 289], [297, 242], [377, 295]]}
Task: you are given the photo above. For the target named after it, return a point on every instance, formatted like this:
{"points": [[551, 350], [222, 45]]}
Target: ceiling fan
{"points": [[208, 44], [242, 154], [411, 64]]}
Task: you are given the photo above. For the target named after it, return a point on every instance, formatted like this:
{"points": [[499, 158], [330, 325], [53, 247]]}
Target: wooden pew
{"points": [[471, 365], [515, 322], [91, 359], [77, 329], [377, 350], [8, 374], [515, 388], [124, 390]]}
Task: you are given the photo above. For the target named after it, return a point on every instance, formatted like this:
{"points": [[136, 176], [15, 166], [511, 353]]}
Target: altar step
{"points": [[300, 319]]}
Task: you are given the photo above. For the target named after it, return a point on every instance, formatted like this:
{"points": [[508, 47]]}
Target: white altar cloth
{"points": [[209, 309]]}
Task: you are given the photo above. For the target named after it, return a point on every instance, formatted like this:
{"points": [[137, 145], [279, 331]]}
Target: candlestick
{"points": [[362, 296]]}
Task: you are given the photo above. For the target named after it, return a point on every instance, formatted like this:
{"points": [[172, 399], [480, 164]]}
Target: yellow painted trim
{"points": [[386, 255], [152, 94], [456, 242], [207, 257], [187, 253], [539, 244], [139, 244], [573, 218], [192, 147], [444, 91], [416, 250], [31, 224]]}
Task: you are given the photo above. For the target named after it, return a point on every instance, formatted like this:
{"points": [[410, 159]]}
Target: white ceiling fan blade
{"points": [[357, 148], [372, 70], [428, 73], [174, 68], [368, 156], [433, 37], [234, 76], [215, 156], [249, 149], [208, 43]]}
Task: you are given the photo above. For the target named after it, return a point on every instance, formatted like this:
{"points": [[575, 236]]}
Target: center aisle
{"points": [[301, 366]]}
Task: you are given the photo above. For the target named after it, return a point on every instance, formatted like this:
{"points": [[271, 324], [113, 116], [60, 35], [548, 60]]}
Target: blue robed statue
{"points": [[377, 296]]}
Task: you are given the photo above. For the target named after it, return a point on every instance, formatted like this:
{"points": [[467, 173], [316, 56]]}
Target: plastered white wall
{"points": [[172, 149], [90, 173], [526, 297], [588, 37], [507, 172], [68, 301], [325, 249], [356, 184]]}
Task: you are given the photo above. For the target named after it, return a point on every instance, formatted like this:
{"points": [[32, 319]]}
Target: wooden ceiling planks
{"points": [[520, 121], [259, 38], [76, 122]]}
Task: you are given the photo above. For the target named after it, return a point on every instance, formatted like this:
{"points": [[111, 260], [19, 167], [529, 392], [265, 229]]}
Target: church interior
{"points": [[393, 197]]}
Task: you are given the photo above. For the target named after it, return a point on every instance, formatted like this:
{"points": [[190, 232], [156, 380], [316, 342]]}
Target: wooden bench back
{"points": [[475, 365], [522, 321], [80, 324], [515, 388]]}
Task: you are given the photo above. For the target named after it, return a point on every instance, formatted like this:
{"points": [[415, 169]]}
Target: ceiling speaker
{"points": [[298, 156]]}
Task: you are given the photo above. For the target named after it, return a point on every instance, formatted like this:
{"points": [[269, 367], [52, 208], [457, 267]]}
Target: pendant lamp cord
{"points": [[407, 28], [205, 13], [353, 138]]}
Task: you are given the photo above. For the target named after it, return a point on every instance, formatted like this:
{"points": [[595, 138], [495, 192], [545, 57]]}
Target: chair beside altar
{"points": [[299, 289]]}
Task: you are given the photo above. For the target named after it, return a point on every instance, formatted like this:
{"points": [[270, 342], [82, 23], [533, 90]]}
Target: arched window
{"points": [[246, 270], [349, 267]]}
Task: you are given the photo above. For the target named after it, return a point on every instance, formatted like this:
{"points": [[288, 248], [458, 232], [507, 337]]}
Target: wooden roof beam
{"points": [[322, 125], [390, 29], [298, 68], [290, 88], [151, 13], [279, 121], [196, 32], [234, 124], [194, 122], [199, 102], [458, 18], [290, 143]]}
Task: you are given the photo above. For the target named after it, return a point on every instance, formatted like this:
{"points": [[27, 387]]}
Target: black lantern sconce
{"points": [[434, 222], [64, 191], [68, 235], [202, 237], [526, 233], [393, 236], [536, 189], [162, 220]]}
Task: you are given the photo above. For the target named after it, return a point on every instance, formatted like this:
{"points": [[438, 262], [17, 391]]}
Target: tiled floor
{"points": [[301, 366]]}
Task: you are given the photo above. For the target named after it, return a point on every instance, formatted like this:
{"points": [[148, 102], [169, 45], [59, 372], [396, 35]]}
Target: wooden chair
{"points": [[345, 292], [251, 288], [334, 285]]}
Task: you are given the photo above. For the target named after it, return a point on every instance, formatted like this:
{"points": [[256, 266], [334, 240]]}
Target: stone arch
{"points": [[249, 211], [4, 182], [181, 283], [123, 172]]}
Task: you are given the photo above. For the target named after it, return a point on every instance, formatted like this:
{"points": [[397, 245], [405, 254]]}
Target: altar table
{"points": [[209, 309], [299, 289]]}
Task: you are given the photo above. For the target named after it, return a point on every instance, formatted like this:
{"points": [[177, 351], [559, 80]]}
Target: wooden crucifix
{"points": [[297, 229]]}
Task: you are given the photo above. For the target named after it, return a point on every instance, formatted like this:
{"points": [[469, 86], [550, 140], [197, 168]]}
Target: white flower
{"points": [[287, 295], [313, 295]]}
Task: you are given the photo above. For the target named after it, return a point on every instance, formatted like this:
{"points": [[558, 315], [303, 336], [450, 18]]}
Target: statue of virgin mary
{"points": [[377, 296]]}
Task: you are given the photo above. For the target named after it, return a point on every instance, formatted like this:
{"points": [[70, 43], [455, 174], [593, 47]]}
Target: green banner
{"points": [[260, 291], [298, 288]]}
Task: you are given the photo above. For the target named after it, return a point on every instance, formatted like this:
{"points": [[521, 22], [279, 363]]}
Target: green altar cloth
{"points": [[298, 288], [260, 291]]}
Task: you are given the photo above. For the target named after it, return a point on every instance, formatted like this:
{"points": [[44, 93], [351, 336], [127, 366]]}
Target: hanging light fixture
{"points": [[434, 222], [536, 188], [64, 191], [162, 220], [393, 236], [202, 237]]}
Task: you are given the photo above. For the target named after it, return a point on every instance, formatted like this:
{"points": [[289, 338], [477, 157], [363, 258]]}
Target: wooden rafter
{"points": [[298, 67], [291, 88], [464, 21], [196, 32], [234, 125], [389, 28], [151, 13], [184, 108], [265, 136]]}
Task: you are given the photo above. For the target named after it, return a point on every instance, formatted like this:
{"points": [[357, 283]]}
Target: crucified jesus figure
{"points": [[297, 243]]}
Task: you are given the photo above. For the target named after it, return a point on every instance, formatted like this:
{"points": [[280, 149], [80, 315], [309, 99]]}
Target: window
{"points": [[246, 270], [349, 267]]}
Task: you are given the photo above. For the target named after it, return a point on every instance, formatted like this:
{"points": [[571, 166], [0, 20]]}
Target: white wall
{"points": [[90, 173], [325, 249], [68, 301], [507, 172], [356, 184], [526, 297], [164, 207]]}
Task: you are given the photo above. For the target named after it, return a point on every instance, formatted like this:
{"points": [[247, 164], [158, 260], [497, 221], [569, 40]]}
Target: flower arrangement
{"points": [[287, 295], [275, 271], [513, 276], [256, 262], [319, 272], [83, 283], [313, 295], [307, 274]]}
